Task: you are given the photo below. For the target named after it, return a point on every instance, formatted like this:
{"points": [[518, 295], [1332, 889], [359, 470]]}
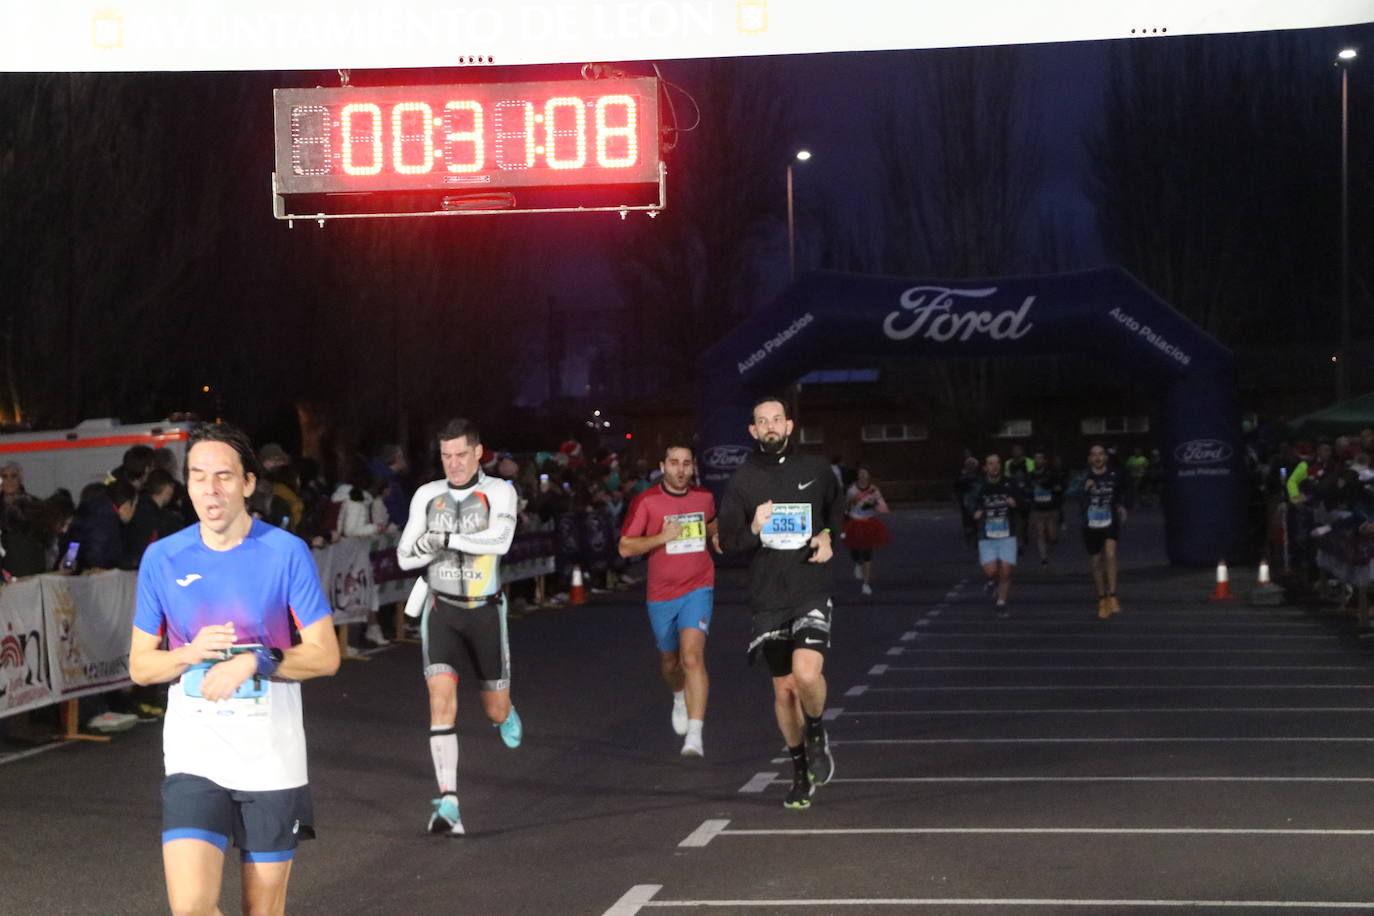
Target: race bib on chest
{"points": [[998, 526], [1099, 516], [693, 536], [1043, 495], [788, 528]]}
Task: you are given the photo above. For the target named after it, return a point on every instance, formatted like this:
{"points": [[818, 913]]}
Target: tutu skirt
{"points": [[866, 534]]}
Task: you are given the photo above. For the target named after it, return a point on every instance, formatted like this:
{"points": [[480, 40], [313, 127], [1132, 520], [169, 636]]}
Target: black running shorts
{"points": [[449, 630], [265, 826], [810, 629], [1096, 538]]}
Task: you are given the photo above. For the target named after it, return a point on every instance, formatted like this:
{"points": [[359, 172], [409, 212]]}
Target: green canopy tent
{"points": [[1345, 418]]}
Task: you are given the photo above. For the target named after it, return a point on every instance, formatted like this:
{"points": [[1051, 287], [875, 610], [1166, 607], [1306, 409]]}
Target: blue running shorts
{"points": [[990, 550], [690, 610]]}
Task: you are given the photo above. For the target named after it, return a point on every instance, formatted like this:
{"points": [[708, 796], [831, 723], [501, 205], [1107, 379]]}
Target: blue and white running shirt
{"points": [[260, 585]]}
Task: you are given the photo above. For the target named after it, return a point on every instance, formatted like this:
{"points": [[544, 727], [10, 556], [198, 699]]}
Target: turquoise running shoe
{"points": [[446, 821], [511, 729]]}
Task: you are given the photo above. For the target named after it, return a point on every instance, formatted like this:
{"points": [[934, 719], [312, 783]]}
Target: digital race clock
{"points": [[401, 150]]}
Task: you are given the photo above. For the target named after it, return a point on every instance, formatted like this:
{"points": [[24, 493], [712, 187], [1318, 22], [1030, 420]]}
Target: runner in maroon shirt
{"points": [[673, 523]]}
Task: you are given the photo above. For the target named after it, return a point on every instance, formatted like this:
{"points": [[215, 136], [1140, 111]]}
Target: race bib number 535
{"points": [[788, 528]]}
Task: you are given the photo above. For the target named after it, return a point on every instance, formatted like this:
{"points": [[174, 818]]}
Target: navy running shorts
{"points": [[264, 826]]}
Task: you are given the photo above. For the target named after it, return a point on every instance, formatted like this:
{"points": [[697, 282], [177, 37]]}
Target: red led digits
{"points": [[477, 151], [352, 138], [577, 133], [423, 138], [606, 133]]}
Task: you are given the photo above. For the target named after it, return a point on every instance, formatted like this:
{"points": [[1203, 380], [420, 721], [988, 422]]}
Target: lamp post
{"points": [[802, 156], [1344, 60]]}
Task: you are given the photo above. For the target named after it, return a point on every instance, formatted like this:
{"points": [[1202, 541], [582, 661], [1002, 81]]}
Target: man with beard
{"points": [[992, 501], [1104, 491], [783, 508], [672, 522], [458, 529]]}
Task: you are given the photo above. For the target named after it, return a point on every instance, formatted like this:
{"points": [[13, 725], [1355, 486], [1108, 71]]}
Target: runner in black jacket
{"points": [[785, 509]]}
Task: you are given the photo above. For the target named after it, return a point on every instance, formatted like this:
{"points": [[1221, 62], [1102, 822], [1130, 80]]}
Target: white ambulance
{"points": [[72, 458]]}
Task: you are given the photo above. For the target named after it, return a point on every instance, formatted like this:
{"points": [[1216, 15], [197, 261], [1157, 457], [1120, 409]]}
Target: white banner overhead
{"points": [[147, 35]]}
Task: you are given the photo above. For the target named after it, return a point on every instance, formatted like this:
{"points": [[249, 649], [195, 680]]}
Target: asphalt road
{"points": [[1184, 755]]}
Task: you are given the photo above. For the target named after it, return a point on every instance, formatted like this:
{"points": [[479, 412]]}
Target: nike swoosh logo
{"points": [[803, 486], [188, 580], [813, 642]]}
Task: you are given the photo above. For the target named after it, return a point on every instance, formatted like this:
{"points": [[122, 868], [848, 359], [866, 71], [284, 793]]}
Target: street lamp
{"points": [[1344, 60], [802, 156]]}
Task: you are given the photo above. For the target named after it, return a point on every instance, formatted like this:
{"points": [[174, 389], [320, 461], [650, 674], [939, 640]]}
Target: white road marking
{"points": [[908, 636], [895, 650], [758, 783], [922, 623], [857, 690], [1140, 687], [1135, 740], [1050, 831], [877, 670], [1131, 668], [1110, 710], [830, 715], [1086, 650], [32, 752], [635, 898], [996, 902], [705, 833]]}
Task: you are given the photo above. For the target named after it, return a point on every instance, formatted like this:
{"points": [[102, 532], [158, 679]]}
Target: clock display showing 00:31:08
{"points": [[443, 137]]}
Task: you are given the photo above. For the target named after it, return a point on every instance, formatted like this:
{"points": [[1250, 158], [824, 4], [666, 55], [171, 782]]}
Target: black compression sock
{"points": [[798, 755], [815, 726]]}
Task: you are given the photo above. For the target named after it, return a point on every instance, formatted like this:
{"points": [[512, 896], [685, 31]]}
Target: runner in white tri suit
{"points": [[458, 530], [225, 594]]}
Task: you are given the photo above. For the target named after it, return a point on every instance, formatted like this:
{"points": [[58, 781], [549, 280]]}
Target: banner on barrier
{"points": [[89, 619], [345, 572], [25, 675]]}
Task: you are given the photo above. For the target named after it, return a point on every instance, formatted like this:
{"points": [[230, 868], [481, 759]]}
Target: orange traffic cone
{"points": [[1223, 590], [578, 594], [1264, 573]]}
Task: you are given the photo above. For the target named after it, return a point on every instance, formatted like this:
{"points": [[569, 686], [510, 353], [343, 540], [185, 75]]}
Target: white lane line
{"points": [[1088, 650], [634, 899], [922, 623], [830, 715], [857, 690], [1133, 637], [1048, 831], [999, 903], [708, 831], [895, 650], [32, 752], [1109, 710], [1127, 667], [934, 612], [1265, 739], [878, 670], [962, 780], [908, 636], [951, 594], [758, 783], [1140, 687]]}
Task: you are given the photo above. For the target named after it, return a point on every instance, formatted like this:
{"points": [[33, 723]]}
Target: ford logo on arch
{"points": [[726, 457], [1203, 451]]}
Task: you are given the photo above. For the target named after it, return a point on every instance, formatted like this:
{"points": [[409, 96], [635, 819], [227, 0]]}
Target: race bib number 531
{"points": [[693, 536], [788, 528]]}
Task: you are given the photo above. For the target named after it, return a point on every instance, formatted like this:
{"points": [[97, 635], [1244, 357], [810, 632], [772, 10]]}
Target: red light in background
{"points": [[629, 435]]}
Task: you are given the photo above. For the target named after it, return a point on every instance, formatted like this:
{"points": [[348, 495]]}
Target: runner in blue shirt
{"points": [[224, 596]]}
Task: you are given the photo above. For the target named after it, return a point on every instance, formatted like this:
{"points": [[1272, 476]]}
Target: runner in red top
{"points": [[673, 522]]}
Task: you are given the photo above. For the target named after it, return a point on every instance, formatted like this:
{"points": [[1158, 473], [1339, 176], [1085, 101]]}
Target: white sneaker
{"points": [[374, 636], [692, 747], [858, 572], [111, 722], [680, 717], [867, 589]]}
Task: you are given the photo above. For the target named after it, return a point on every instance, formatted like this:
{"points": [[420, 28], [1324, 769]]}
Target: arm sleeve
{"points": [[498, 534], [149, 608], [305, 597], [735, 516], [1294, 479], [406, 557]]}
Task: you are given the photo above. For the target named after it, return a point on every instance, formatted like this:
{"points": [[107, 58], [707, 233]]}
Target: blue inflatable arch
{"points": [[1104, 312]]}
